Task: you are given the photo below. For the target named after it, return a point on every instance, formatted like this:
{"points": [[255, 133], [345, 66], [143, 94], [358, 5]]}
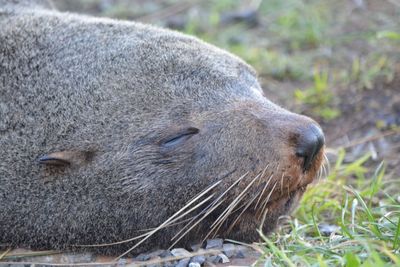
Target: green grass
{"points": [[365, 71], [362, 205], [295, 37], [319, 97]]}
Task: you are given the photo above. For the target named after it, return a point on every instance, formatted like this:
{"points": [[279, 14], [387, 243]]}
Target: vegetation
{"points": [[348, 219]]}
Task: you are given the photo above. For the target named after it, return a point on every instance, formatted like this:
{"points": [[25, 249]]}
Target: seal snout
{"points": [[310, 142]]}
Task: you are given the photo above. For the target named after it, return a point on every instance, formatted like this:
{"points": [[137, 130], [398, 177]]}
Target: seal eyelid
{"points": [[180, 137]]}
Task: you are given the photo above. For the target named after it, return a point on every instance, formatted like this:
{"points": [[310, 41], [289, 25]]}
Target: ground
{"points": [[338, 62]]}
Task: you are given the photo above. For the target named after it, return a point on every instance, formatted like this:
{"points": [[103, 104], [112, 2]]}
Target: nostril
{"points": [[309, 144]]}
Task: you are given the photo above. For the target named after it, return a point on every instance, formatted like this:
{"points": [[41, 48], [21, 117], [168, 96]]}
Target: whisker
{"points": [[262, 174], [321, 172], [265, 202], [194, 217], [173, 222], [219, 221], [241, 213], [263, 191], [230, 211], [113, 243], [229, 188], [327, 164], [264, 215], [151, 233], [194, 225], [235, 200], [215, 202], [288, 191]]}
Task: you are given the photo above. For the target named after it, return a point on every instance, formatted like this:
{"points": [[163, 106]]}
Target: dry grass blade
{"points": [[371, 138], [3, 254], [9, 254]]}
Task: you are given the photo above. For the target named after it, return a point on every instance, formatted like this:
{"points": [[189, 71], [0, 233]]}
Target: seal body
{"points": [[113, 130]]}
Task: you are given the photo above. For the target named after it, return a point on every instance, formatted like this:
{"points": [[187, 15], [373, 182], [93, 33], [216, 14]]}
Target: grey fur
{"points": [[110, 93]]}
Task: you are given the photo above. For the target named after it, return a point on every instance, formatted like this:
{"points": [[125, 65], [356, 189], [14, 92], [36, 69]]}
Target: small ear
{"points": [[65, 158]]}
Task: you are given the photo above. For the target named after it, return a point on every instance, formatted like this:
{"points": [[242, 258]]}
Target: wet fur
{"points": [[109, 93]]}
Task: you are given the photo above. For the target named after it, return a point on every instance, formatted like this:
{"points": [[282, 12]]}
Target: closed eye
{"points": [[180, 137]]}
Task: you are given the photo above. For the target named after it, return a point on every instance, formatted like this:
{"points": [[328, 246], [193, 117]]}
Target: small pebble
{"points": [[195, 247], [200, 259], [240, 254], [328, 229], [77, 258], [194, 264], [170, 264], [142, 257], [229, 250], [179, 252], [214, 259], [121, 262], [220, 258], [223, 257], [183, 263], [214, 243], [242, 248], [166, 253], [156, 253]]}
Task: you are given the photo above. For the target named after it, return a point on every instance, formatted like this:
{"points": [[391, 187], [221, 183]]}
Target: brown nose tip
{"points": [[309, 144]]}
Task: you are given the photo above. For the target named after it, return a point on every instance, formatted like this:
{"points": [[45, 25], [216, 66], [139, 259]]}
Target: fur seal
{"points": [[113, 130]]}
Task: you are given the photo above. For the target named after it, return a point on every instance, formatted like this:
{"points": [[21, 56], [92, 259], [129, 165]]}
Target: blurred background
{"points": [[336, 61]]}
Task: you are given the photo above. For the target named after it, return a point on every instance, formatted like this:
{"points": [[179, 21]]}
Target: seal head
{"points": [[114, 130]]}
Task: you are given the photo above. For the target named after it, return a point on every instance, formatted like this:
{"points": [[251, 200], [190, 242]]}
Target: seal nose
{"points": [[309, 144]]}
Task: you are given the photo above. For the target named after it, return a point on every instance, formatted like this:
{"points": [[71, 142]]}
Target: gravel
{"points": [[223, 253], [214, 243]]}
